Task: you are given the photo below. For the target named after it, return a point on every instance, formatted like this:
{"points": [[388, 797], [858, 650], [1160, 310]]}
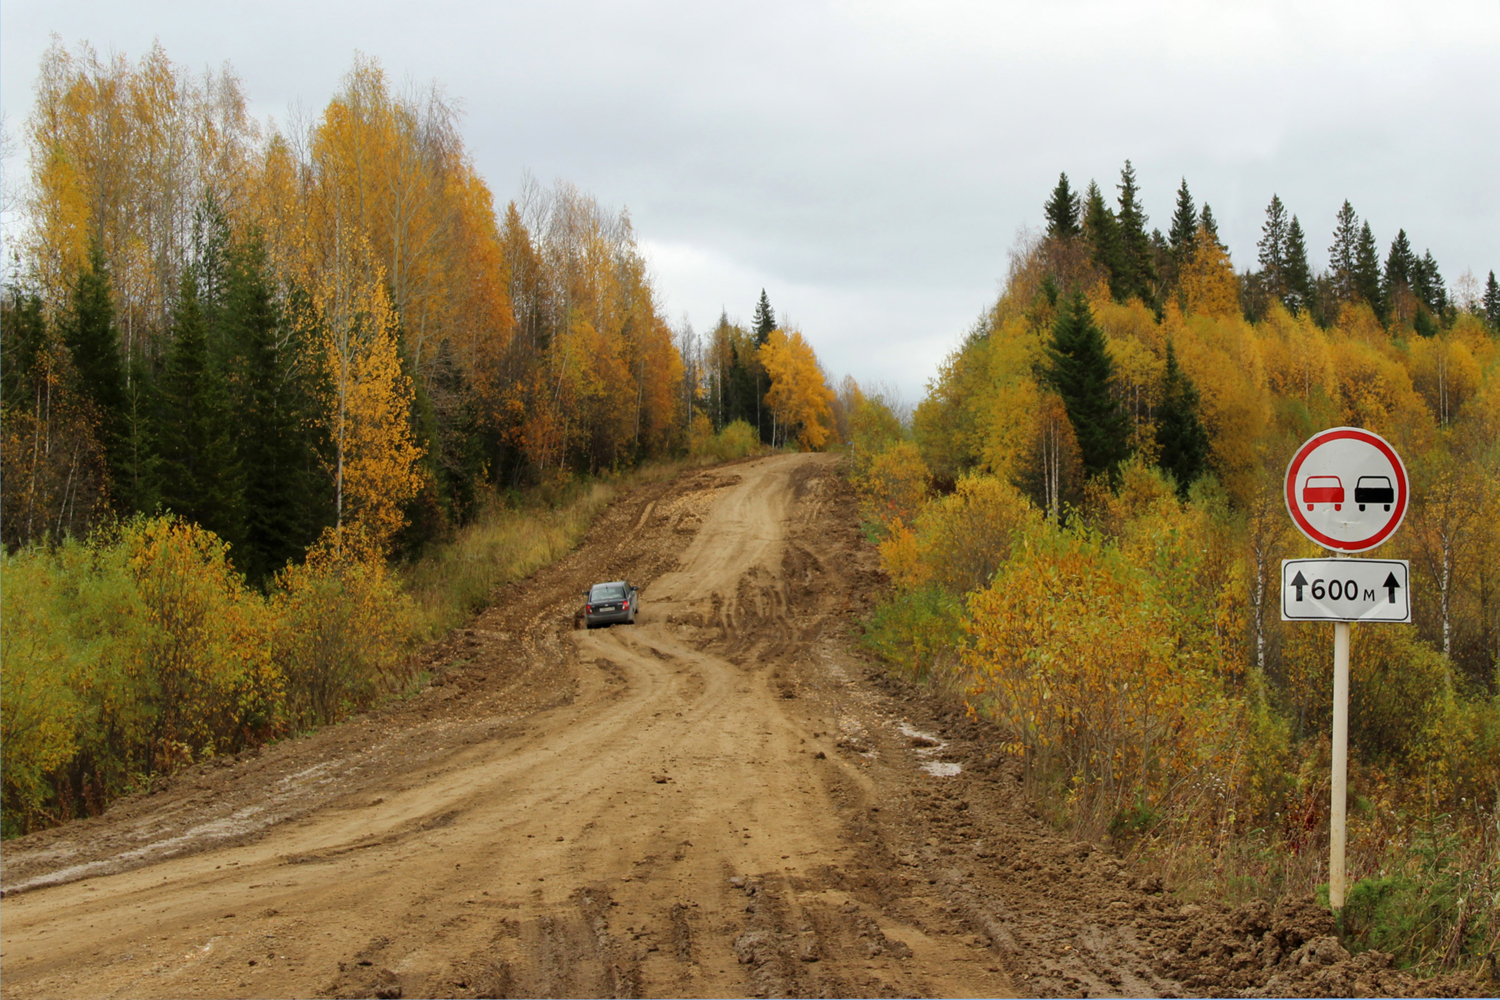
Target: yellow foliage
{"points": [[201, 652], [343, 626], [1209, 287], [895, 484], [1375, 392], [965, 536], [1446, 374], [901, 558], [369, 395], [37, 705], [1079, 660], [799, 395]]}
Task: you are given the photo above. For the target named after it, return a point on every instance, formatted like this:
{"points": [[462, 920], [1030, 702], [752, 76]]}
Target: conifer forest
{"points": [[257, 378]]}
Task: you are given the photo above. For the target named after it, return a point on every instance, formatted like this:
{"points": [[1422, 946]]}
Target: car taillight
{"points": [[589, 608]]}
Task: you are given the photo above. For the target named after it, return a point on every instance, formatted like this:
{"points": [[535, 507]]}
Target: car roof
{"points": [[611, 583]]}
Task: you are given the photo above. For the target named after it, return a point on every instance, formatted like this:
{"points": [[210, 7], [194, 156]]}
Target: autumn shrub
{"points": [[736, 440], [1077, 658], [965, 536], [894, 485], [344, 626], [700, 435], [1436, 899], [39, 658], [919, 632], [126, 656], [873, 427]]}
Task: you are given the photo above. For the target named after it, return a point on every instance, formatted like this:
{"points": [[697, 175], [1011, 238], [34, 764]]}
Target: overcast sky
{"points": [[869, 164]]}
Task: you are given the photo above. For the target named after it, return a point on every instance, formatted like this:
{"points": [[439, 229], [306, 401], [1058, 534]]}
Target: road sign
{"points": [[1345, 590], [1346, 489]]}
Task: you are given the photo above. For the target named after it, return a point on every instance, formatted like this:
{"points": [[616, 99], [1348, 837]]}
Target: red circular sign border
{"points": [[1335, 434]]}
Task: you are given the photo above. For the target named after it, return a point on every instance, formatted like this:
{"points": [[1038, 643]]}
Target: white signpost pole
{"points": [[1336, 818], [1347, 490]]}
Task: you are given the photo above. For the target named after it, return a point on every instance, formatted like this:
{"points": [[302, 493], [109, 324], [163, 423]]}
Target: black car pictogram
{"points": [[1374, 489]]}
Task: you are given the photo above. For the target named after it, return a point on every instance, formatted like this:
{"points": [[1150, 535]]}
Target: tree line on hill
{"points": [[272, 333], [1083, 525], [1407, 290]]}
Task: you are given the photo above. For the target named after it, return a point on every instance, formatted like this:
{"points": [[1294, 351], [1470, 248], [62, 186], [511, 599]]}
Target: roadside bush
{"points": [[125, 657], [966, 536], [735, 440], [894, 485], [343, 628], [1437, 899], [39, 659], [919, 632], [198, 657], [1078, 659]]}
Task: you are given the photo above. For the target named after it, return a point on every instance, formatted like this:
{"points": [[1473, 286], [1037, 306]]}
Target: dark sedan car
{"points": [[610, 603]]}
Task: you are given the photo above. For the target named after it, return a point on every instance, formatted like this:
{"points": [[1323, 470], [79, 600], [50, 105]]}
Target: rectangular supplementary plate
{"points": [[1345, 590]]}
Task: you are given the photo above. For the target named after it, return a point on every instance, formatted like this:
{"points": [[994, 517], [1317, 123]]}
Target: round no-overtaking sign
{"points": [[1346, 489]]}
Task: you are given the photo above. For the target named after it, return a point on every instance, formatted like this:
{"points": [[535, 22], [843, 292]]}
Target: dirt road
{"points": [[724, 799]]}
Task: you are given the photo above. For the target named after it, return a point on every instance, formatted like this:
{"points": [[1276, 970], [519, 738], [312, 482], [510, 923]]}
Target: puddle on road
{"points": [[927, 747], [942, 768]]}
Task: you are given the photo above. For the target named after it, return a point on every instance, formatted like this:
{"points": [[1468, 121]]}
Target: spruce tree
{"points": [[1208, 223], [1427, 283], [271, 400], [199, 471], [1342, 254], [1400, 265], [1184, 224], [1080, 370], [1138, 270], [765, 319], [1299, 279], [1492, 302], [1272, 248], [1367, 271], [210, 255], [1181, 441], [23, 337], [88, 331], [1103, 235], [1063, 211]]}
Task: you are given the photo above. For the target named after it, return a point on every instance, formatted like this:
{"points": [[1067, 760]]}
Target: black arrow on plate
{"points": [[1391, 586], [1299, 581]]}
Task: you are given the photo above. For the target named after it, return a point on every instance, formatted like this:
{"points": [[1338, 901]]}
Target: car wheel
{"points": [[1361, 506]]}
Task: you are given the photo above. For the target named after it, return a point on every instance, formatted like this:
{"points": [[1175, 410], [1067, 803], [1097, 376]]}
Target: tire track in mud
{"points": [[723, 799]]}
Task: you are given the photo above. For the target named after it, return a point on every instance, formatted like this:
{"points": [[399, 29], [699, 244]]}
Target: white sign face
{"points": [[1346, 489], [1345, 590]]}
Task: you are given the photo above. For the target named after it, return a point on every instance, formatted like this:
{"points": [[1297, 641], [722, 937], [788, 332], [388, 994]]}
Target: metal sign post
{"points": [[1347, 490]]}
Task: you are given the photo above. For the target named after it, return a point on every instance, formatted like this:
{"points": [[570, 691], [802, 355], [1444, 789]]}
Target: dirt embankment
{"points": [[725, 799]]}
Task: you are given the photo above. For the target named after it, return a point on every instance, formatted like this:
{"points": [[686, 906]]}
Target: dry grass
{"points": [[455, 580]]}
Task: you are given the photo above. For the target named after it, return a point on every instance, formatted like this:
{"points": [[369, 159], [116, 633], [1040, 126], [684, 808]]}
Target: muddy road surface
{"points": [[725, 799]]}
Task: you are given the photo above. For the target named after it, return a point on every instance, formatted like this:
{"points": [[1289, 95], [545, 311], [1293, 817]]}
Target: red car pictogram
{"points": [[1323, 489]]}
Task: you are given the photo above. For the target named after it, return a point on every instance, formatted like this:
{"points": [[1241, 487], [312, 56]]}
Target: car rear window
{"points": [[607, 592]]}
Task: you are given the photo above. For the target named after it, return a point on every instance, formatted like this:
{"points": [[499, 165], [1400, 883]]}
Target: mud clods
{"points": [[1291, 950]]}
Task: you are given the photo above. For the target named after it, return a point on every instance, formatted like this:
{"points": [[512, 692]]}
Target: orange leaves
{"points": [[128, 153], [369, 395]]}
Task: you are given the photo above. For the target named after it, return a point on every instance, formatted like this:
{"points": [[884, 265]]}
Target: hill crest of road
{"points": [[724, 799]]}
